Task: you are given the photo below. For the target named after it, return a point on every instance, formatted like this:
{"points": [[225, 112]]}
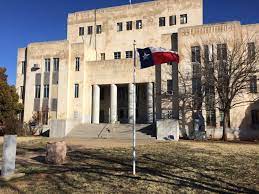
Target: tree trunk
{"points": [[226, 124]]}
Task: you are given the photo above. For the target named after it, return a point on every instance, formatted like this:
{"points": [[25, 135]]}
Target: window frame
{"points": [[37, 91], [129, 25], [81, 31], [102, 56], [129, 54], [117, 55], [89, 30], [183, 19], [46, 91], [77, 65], [98, 29], [253, 84], [139, 24], [119, 26], [172, 20], [23, 67], [56, 64], [47, 64], [76, 90], [162, 21]]}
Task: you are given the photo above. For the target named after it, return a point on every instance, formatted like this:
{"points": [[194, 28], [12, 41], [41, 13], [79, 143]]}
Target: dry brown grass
{"points": [[162, 167]]}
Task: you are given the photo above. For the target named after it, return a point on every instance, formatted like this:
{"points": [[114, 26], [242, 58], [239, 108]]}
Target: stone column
{"points": [[150, 103], [96, 104], [131, 89], [113, 103]]}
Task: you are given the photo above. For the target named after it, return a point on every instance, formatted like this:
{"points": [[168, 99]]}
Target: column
{"points": [[96, 104], [113, 103], [150, 103], [131, 89]]}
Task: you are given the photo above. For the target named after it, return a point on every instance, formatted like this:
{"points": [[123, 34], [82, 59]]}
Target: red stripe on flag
{"points": [[165, 57]]}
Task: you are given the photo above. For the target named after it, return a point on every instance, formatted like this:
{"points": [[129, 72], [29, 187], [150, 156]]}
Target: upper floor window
{"points": [[81, 31], [98, 29], [172, 20], [77, 68], [56, 64], [76, 90], [46, 91], [211, 118], [117, 55], [90, 30], [183, 19], [102, 56], [222, 52], [119, 26], [37, 91], [139, 24], [253, 84], [170, 87], [251, 51], [129, 25], [47, 65], [129, 54], [196, 54], [23, 67], [22, 92], [162, 21]]}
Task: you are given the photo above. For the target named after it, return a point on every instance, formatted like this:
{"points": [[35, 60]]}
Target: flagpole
{"points": [[134, 111]]}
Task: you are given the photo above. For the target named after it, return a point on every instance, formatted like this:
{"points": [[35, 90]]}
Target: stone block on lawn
{"points": [[56, 152], [168, 129]]}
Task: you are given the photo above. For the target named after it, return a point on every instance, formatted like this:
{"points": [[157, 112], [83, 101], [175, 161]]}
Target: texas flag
{"points": [[155, 56]]}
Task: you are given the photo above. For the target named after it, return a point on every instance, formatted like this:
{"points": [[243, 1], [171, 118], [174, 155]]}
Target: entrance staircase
{"points": [[112, 131]]}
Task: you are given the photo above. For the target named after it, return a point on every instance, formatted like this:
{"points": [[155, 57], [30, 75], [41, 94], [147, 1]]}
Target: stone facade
{"points": [[90, 85]]}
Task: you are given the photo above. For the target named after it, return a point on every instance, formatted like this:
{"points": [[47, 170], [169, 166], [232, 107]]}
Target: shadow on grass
{"points": [[176, 169]]}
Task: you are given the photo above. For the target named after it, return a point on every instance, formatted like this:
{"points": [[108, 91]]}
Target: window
{"points": [[37, 91], [46, 91], [23, 67], [251, 51], [196, 54], [119, 27], [76, 90], [211, 118], [129, 25], [98, 29], [22, 92], [172, 20], [117, 55], [255, 116], [183, 19], [102, 56], [222, 52], [56, 64], [162, 21], [47, 65], [129, 54], [139, 24], [253, 84], [90, 30], [81, 31], [170, 87], [77, 64]]}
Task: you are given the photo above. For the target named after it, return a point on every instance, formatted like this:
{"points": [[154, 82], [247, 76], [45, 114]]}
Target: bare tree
{"points": [[227, 73]]}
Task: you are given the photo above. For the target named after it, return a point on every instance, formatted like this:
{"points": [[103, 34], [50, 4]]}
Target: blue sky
{"points": [[25, 21]]}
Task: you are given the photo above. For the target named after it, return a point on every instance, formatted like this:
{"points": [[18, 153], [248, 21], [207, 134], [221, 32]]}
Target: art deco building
{"points": [[88, 78]]}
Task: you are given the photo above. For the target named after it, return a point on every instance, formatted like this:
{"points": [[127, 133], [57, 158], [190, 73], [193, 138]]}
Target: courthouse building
{"points": [[88, 78]]}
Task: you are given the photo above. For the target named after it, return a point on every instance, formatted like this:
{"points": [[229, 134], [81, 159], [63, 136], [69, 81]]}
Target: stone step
{"points": [[117, 131]]}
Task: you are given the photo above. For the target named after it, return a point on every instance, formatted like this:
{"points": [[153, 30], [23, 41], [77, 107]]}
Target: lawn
{"points": [[162, 167]]}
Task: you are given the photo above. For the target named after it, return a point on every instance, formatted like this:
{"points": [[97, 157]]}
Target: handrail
{"points": [[102, 130]]}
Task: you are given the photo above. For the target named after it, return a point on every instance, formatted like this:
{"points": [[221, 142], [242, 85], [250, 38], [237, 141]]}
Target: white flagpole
{"points": [[134, 111]]}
